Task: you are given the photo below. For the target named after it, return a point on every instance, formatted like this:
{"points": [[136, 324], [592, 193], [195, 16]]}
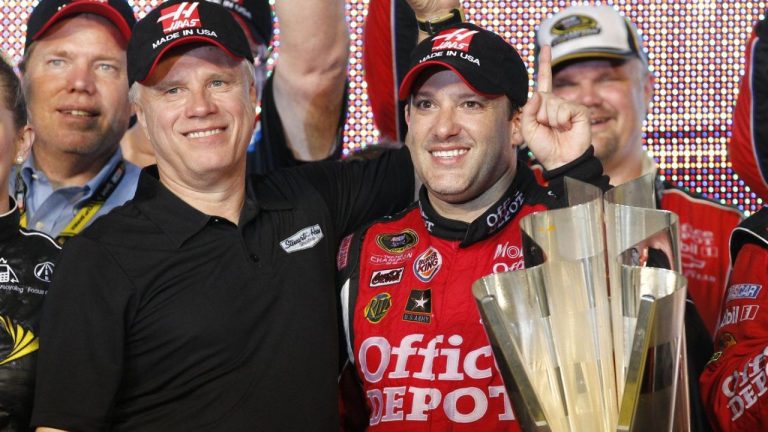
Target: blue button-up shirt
{"points": [[50, 210]]}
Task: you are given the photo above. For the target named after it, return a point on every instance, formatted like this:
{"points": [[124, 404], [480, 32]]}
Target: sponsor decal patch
{"points": [[574, 27], [452, 378], [499, 217], [399, 242], [24, 341], [342, 256], [181, 16], [378, 307], [7, 275], [304, 239], [745, 386], [743, 291], [419, 307], [386, 277], [44, 271], [427, 264], [390, 260], [737, 314], [453, 39]]}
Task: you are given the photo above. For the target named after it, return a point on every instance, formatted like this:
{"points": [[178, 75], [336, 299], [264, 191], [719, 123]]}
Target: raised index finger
{"points": [[544, 78]]}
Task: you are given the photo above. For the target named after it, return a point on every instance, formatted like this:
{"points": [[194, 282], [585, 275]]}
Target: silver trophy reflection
{"points": [[589, 337]]}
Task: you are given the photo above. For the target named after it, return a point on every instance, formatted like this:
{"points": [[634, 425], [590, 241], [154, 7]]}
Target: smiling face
{"points": [[77, 88], [198, 109], [617, 95], [462, 144]]}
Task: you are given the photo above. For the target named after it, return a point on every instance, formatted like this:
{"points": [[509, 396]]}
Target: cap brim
{"points": [[187, 41], [96, 8], [413, 74]]}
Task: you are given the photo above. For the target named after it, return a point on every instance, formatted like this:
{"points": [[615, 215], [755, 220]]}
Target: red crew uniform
{"points": [[418, 344], [734, 384], [704, 229], [748, 145]]}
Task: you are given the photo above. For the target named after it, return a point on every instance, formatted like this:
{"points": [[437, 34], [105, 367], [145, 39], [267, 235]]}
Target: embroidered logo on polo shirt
{"points": [[427, 264], [419, 307], [397, 243], [44, 271], [7, 275], [304, 239], [378, 307]]}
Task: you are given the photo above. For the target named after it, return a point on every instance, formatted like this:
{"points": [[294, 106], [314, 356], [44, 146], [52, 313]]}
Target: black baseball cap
{"points": [[180, 22], [49, 12], [482, 59], [254, 15]]}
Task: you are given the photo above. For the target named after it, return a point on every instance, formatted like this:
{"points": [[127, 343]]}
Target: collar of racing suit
{"points": [[496, 217]]}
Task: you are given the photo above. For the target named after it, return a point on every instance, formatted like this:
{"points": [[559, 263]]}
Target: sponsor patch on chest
{"points": [[386, 277], [426, 265], [303, 239], [397, 243]]}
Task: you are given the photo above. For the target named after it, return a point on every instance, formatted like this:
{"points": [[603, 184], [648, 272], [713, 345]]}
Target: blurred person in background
{"points": [[735, 382], [27, 261], [74, 75]]}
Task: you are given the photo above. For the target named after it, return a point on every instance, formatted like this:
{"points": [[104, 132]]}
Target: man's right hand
{"points": [[557, 131], [427, 9]]}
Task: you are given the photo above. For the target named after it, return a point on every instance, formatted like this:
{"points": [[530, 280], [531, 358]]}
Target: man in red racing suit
{"points": [[419, 345], [413, 330], [734, 384]]}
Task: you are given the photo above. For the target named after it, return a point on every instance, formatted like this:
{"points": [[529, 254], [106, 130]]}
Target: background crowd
{"points": [[203, 253]]}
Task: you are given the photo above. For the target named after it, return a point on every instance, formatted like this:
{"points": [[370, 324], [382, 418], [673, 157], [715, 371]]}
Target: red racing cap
{"points": [[177, 23], [49, 12], [482, 59]]}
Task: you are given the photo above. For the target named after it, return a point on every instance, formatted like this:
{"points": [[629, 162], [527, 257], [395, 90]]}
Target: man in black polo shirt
{"points": [[204, 304], [207, 302]]}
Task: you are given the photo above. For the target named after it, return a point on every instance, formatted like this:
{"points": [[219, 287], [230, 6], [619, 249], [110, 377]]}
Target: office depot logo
{"points": [[181, 16]]}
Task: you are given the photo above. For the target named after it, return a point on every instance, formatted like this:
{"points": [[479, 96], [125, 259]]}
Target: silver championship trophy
{"points": [[589, 337]]}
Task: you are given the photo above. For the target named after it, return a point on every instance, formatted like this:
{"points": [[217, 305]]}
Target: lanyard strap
{"points": [[86, 212]]}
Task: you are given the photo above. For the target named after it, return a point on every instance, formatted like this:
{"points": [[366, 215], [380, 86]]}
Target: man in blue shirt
{"points": [[77, 92]]}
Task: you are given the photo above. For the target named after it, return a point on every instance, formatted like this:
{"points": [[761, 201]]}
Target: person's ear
{"points": [[24, 140]]}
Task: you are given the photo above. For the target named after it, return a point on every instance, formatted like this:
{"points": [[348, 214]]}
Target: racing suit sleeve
{"points": [[748, 145], [734, 383], [586, 168]]}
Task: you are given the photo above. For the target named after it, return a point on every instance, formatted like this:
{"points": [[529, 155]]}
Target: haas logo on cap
{"points": [[181, 16], [453, 39]]}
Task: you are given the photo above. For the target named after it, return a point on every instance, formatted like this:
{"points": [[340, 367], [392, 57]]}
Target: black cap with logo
{"points": [[49, 12], [179, 22], [482, 59]]}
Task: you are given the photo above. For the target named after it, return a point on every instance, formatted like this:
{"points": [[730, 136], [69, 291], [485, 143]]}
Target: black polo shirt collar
{"points": [[9, 221], [179, 220], [501, 213]]}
